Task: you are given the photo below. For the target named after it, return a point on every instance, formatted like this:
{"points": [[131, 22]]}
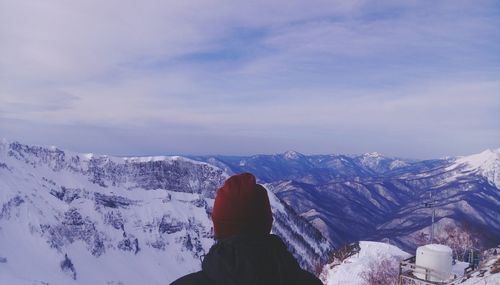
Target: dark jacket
{"points": [[249, 260]]}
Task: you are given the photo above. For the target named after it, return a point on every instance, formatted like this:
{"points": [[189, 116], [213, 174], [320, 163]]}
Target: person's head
{"points": [[241, 207]]}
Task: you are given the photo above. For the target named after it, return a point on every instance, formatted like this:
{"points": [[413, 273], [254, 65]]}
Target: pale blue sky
{"points": [[406, 78]]}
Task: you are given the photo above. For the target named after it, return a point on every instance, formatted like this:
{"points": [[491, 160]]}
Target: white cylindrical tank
{"points": [[435, 257]]}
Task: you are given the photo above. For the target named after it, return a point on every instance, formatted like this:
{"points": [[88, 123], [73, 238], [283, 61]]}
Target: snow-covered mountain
{"points": [[486, 164], [370, 196], [380, 164], [394, 207], [469, 199], [313, 169], [70, 218]]}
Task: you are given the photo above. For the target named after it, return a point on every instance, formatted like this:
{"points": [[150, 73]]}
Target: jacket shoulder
{"points": [[197, 278], [308, 278]]}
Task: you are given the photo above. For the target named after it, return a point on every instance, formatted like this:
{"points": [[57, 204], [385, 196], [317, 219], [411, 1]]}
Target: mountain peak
{"points": [[487, 163], [487, 158], [3, 143], [291, 154], [373, 154], [492, 151]]}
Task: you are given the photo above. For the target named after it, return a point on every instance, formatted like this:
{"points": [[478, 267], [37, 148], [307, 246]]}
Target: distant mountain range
{"points": [[72, 218], [318, 169], [373, 197]]}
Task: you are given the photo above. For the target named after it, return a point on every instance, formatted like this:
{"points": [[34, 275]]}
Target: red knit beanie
{"points": [[241, 206]]}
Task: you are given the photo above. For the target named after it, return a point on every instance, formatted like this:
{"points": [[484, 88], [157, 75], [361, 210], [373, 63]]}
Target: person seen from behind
{"points": [[245, 252]]}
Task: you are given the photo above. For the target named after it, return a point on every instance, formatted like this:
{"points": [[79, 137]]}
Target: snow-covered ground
{"points": [[372, 254], [350, 271], [484, 275]]}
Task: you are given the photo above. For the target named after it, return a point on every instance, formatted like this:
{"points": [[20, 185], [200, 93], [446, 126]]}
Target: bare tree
{"points": [[461, 239], [385, 272], [422, 239]]}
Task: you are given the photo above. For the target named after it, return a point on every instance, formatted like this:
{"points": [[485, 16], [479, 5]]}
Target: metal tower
{"points": [[431, 204]]}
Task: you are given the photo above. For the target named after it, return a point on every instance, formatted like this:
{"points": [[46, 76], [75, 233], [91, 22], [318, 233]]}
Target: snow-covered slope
{"points": [[486, 163], [351, 270], [104, 215], [488, 273], [381, 260], [69, 218]]}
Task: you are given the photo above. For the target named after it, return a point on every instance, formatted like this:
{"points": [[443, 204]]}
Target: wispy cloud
{"points": [[413, 78]]}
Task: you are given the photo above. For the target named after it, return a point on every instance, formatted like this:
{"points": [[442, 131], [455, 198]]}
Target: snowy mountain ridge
{"points": [[486, 163], [363, 197], [70, 218], [78, 213]]}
